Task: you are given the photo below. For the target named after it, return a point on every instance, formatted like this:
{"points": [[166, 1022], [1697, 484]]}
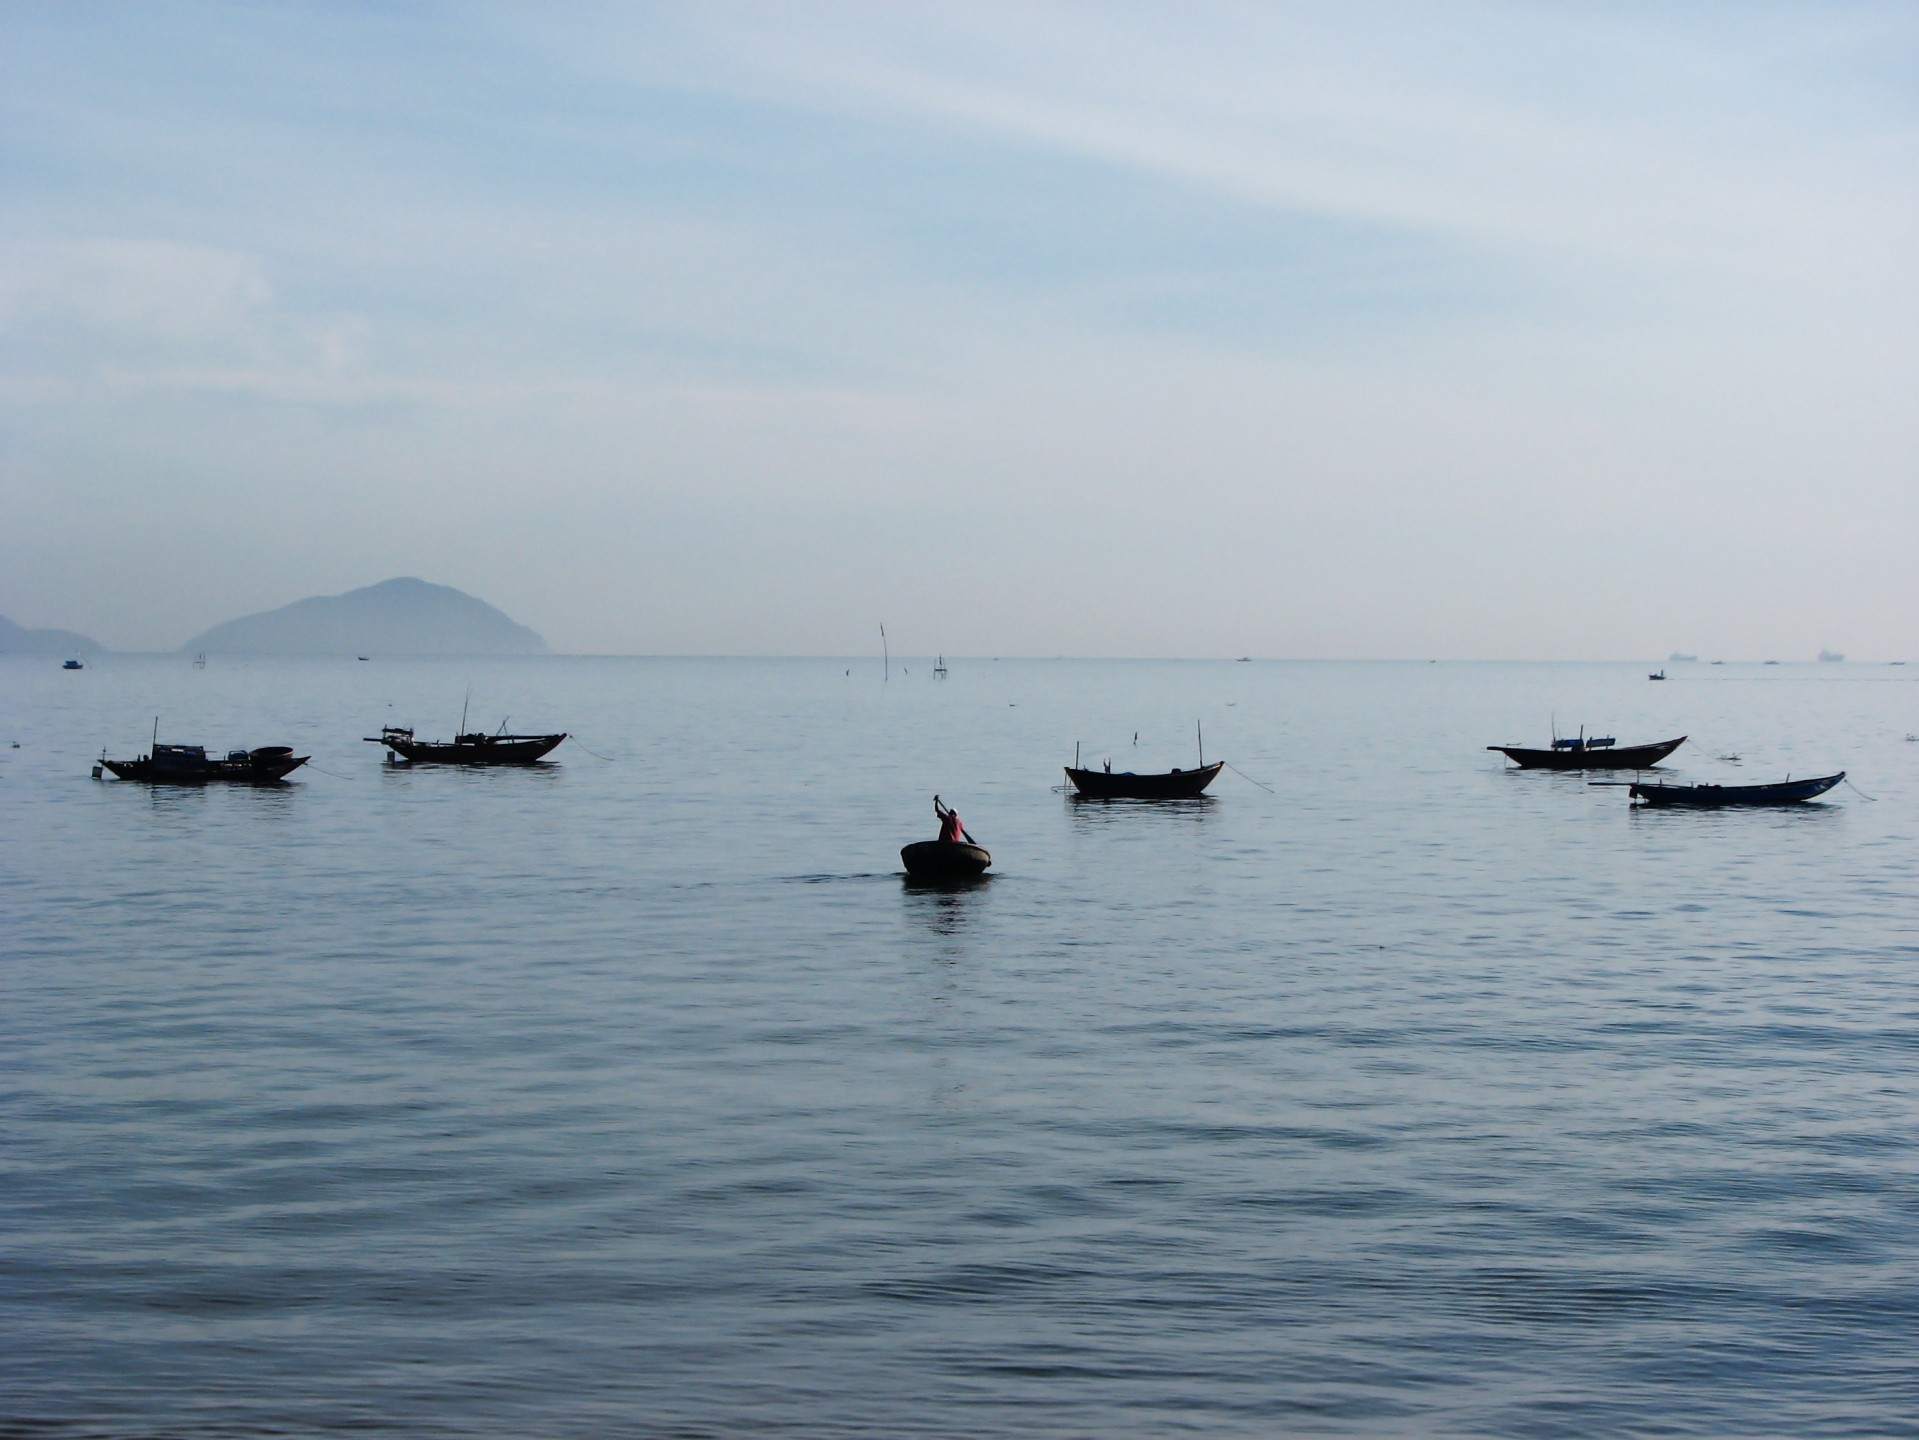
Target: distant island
{"points": [[18, 640], [395, 617]]}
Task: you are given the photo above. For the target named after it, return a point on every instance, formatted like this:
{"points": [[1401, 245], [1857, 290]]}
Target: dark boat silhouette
{"points": [[1599, 752], [1125, 785], [945, 860], [1715, 797], [191, 765], [471, 749], [1175, 784]]}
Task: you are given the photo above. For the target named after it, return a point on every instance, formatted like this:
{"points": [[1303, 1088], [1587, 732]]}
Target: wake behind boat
{"points": [[1599, 752], [470, 749], [1714, 797], [191, 765]]}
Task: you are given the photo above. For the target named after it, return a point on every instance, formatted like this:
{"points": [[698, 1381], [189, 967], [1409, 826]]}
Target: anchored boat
{"points": [[1125, 785], [192, 765], [1598, 752], [1714, 797], [1175, 784], [472, 749]]}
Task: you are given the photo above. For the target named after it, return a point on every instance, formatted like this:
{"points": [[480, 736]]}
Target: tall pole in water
{"points": [[885, 656]]}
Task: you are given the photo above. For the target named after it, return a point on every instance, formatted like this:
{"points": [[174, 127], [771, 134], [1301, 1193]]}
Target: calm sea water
{"points": [[638, 1095]]}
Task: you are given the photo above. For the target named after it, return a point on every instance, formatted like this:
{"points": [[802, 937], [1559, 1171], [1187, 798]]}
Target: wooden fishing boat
{"points": [[1598, 752], [473, 749], [945, 860], [1125, 785], [191, 765], [1714, 797]]}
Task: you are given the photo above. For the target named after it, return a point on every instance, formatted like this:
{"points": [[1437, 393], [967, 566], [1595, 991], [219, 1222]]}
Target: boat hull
{"points": [[1174, 785], [486, 750], [1612, 757], [945, 860], [267, 765], [1719, 797]]}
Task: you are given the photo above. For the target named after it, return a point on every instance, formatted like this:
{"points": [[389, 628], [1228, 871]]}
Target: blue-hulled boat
{"points": [[1715, 797]]}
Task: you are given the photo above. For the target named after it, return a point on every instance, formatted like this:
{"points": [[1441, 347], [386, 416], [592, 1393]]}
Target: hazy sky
{"points": [[1343, 329]]}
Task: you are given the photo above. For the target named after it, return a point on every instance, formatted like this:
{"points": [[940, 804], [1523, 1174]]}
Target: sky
{"points": [[1316, 330]]}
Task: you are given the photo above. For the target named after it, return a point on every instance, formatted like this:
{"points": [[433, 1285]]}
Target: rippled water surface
{"points": [[637, 1094]]}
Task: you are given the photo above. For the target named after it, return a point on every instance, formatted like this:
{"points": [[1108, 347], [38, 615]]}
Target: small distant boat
{"points": [[1715, 797], [1657, 675], [471, 749], [1830, 657], [72, 665], [1598, 752], [200, 661], [945, 860], [939, 666], [191, 765]]}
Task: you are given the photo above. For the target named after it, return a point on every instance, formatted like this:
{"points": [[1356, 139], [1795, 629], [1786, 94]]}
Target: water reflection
{"points": [[1090, 812], [1772, 817], [946, 907], [548, 770], [271, 797]]}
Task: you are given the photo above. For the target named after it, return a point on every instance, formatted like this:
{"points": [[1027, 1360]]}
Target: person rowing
{"points": [[951, 831]]}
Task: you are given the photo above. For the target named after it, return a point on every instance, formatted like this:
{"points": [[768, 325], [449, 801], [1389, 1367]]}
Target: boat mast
{"points": [[1200, 731]]}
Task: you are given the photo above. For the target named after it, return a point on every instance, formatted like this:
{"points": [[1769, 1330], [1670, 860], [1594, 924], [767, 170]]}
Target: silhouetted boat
{"points": [[1597, 753], [474, 749], [1657, 675], [72, 665], [191, 765], [944, 860], [1713, 797], [1125, 785]]}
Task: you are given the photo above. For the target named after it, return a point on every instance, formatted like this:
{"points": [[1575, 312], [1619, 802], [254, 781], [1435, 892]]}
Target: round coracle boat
{"points": [[945, 860]]}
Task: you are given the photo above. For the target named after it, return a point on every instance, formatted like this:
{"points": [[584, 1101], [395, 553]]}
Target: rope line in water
{"points": [[594, 753], [1249, 779], [1860, 793]]}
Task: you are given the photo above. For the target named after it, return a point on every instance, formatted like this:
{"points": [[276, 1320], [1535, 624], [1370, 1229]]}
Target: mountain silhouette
{"points": [[19, 640], [395, 617]]}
